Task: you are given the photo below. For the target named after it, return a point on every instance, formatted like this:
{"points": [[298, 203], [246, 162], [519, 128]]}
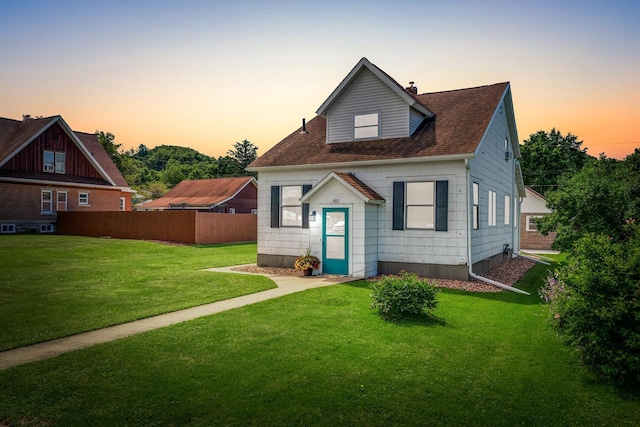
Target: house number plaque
{"points": [[336, 200]]}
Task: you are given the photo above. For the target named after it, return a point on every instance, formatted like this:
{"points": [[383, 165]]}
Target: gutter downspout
{"points": [[469, 263]]}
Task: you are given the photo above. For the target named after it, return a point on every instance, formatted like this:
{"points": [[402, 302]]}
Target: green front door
{"points": [[335, 238]]}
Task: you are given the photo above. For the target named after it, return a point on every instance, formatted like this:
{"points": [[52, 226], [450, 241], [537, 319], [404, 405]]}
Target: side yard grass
{"points": [[54, 286], [323, 357]]}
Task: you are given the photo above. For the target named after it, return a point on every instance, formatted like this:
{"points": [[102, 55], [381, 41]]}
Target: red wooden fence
{"points": [[173, 226]]}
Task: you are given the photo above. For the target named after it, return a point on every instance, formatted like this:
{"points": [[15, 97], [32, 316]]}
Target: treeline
{"points": [[152, 172]]}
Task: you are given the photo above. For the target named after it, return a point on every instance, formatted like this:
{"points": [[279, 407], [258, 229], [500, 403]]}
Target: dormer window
{"points": [[366, 126]]}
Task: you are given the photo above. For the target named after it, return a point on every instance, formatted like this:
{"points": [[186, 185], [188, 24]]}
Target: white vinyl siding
{"points": [[367, 94], [415, 119]]}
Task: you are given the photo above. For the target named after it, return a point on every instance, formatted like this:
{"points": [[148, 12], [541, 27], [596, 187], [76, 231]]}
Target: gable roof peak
{"points": [[408, 97]]}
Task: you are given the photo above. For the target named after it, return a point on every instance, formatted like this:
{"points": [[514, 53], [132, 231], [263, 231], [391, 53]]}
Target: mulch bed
{"points": [[508, 273]]}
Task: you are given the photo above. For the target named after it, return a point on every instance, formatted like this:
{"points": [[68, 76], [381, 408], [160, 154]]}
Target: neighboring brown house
{"points": [[534, 206], [45, 167], [224, 195]]}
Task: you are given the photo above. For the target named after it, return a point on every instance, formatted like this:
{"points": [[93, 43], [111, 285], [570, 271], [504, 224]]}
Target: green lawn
{"points": [[54, 286], [322, 357]]}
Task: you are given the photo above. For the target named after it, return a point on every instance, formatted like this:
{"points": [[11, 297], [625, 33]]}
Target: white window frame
{"points": [[60, 160], [83, 195], [515, 212], [288, 207], [491, 217], [420, 202], [48, 165], [476, 206], [123, 204], [366, 126], [43, 202], [232, 210], [46, 228], [531, 225], [66, 200], [507, 209], [7, 228]]}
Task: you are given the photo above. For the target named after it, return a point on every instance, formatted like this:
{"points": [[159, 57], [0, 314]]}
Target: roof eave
{"points": [[442, 158]]}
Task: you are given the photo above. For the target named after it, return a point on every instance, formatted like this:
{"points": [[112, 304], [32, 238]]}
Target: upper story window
{"points": [[291, 206], [366, 126], [54, 162], [420, 212]]}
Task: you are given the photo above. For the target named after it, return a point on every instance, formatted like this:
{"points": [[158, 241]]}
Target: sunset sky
{"points": [[205, 74]]}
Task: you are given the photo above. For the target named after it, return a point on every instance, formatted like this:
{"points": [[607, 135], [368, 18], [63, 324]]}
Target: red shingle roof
{"points": [[201, 192], [461, 118], [360, 186]]}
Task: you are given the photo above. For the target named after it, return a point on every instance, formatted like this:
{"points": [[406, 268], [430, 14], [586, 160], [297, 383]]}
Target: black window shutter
{"points": [[275, 206], [305, 207], [442, 205], [398, 205]]}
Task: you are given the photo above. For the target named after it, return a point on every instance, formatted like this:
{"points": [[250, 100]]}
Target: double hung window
{"points": [[366, 126]]}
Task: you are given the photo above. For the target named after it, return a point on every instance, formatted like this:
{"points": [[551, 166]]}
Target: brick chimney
{"points": [[412, 89]]}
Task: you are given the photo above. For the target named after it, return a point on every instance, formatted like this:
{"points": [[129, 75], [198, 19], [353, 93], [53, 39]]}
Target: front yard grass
{"points": [[54, 286], [323, 357]]}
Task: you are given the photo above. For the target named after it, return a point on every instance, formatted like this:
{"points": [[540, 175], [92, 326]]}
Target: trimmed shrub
{"points": [[406, 294], [594, 304]]}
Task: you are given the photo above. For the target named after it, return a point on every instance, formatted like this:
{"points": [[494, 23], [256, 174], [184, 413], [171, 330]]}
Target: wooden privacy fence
{"points": [[173, 226]]}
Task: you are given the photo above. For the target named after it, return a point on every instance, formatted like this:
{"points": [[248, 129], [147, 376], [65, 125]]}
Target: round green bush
{"points": [[406, 294]]}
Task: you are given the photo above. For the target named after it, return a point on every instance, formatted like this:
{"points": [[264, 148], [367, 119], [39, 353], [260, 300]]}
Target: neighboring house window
{"points": [[122, 204], [425, 205], [49, 161], [60, 163], [46, 228], [8, 228], [420, 210], [254, 211], [232, 210], [476, 203], [83, 199], [492, 208], [291, 207], [531, 223], [507, 209], [366, 126], [54, 162], [62, 201], [47, 201]]}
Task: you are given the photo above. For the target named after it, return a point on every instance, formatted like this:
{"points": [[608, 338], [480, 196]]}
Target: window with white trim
{"points": [[46, 199], [515, 212], [122, 204], [492, 208], [232, 210], [254, 211], [49, 161], [366, 126], [46, 228], [83, 199], [531, 223], [62, 200], [8, 228], [60, 163], [291, 207], [476, 203], [507, 209], [420, 209]]}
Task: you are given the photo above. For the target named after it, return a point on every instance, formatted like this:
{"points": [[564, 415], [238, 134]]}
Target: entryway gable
{"points": [[350, 182]]}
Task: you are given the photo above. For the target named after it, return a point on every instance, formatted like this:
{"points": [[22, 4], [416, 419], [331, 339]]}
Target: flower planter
{"points": [[308, 271]]}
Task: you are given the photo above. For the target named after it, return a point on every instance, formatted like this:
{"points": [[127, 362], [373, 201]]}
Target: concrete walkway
{"points": [[286, 285]]}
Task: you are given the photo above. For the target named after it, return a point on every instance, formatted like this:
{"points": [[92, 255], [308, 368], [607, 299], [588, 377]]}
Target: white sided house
{"points": [[384, 179]]}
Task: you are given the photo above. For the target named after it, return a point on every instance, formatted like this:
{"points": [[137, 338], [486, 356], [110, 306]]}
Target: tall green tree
{"points": [[546, 156], [243, 152], [599, 199], [107, 140]]}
